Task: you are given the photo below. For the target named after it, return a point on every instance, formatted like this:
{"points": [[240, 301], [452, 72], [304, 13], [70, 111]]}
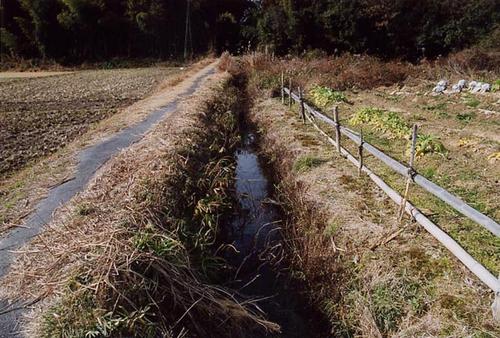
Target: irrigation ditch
{"points": [[252, 240], [257, 250], [185, 239]]}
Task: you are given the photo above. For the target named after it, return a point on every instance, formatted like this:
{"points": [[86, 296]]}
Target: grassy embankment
{"points": [[410, 285], [135, 253]]}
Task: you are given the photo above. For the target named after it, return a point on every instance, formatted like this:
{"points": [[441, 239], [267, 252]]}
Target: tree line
{"points": [[79, 30]]}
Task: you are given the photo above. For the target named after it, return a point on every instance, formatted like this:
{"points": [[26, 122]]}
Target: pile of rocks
{"points": [[473, 87]]}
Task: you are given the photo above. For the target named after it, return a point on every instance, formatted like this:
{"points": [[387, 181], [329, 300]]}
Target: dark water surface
{"points": [[255, 232]]}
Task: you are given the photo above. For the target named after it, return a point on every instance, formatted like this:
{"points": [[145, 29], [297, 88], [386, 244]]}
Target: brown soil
{"points": [[40, 115]]}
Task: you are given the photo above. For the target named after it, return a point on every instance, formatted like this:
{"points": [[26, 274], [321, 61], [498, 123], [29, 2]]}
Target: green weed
{"points": [[331, 228], [392, 300], [472, 102], [382, 120], [78, 316], [306, 163], [429, 144], [84, 209], [439, 109], [392, 124], [442, 106], [496, 86], [160, 245], [465, 117]]}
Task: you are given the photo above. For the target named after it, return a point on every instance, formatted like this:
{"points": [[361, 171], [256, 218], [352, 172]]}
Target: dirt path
{"points": [[23, 75], [89, 161]]}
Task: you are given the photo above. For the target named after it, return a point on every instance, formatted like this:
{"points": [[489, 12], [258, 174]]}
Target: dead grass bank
{"points": [[409, 286], [133, 255]]}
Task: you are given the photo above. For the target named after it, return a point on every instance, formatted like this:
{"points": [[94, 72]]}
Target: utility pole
{"points": [[187, 35]]}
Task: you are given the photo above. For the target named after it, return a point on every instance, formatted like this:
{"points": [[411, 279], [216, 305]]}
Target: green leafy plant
{"points": [[429, 144], [324, 96], [391, 124], [381, 120], [496, 86]]}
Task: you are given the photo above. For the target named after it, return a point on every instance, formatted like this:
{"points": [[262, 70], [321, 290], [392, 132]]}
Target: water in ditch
{"points": [[257, 254]]}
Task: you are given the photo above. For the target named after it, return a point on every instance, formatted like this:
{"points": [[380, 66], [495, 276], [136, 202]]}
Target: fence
{"points": [[308, 113]]}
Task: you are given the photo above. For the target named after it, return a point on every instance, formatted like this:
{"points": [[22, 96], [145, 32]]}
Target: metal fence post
{"points": [[302, 108], [360, 152], [411, 172], [337, 127], [282, 88]]}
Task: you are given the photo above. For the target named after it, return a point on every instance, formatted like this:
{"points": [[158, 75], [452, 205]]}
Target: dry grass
{"points": [[362, 72], [340, 73], [473, 60], [21, 191], [132, 254], [408, 287]]}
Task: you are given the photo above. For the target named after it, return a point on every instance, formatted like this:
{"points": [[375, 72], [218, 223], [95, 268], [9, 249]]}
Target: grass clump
{"points": [[158, 244], [439, 109], [323, 97], [496, 86], [79, 316], [472, 102], [392, 300], [429, 144], [85, 210], [392, 124], [306, 163], [465, 117]]}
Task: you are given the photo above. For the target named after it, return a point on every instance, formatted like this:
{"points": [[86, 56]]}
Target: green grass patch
{"points": [[391, 300], [78, 316], [472, 102], [438, 109], [85, 209], [442, 106], [496, 86], [158, 244], [306, 163], [331, 228]]}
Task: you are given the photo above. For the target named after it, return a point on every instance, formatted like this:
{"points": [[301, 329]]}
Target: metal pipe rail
{"points": [[474, 266], [402, 169]]}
